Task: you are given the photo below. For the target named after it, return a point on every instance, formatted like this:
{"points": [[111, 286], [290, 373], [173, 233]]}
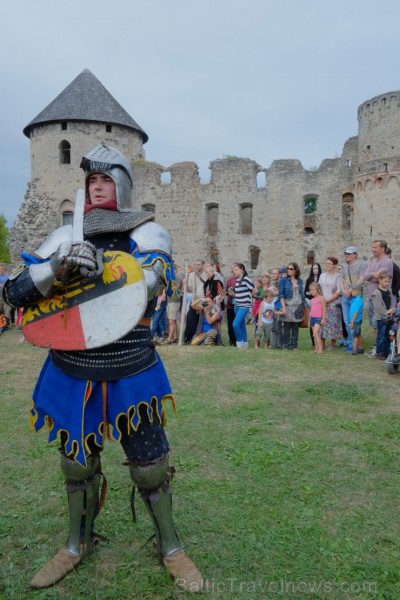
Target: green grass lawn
{"points": [[287, 484]]}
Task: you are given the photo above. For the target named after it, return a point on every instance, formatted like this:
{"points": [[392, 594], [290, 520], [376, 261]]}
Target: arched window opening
{"points": [[246, 218], [261, 180], [66, 212], [212, 219], [310, 214], [65, 153], [347, 211], [166, 178], [254, 256]]}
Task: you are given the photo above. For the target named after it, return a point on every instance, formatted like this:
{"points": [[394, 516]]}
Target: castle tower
{"points": [[79, 118], [377, 174]]}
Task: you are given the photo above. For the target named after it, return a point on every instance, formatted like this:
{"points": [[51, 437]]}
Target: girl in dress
{"points": [[317, 315]]}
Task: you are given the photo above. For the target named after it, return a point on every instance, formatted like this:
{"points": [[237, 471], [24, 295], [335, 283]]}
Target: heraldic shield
{"points": [[89, 313]]}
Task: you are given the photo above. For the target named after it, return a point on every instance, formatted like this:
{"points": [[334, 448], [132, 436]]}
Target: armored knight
{"points": [[122, 384]]}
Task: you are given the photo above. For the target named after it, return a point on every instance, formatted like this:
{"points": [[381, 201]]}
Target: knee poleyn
{"points": [[74, 471], [150, 476]]}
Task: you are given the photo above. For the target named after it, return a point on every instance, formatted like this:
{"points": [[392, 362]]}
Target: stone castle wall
{"points": [[233, 217]]}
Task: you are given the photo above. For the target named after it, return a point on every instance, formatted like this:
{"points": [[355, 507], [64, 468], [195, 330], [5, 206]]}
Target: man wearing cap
{"points": [[283, 272], [378, 263], [351, 274], [119, 386]]}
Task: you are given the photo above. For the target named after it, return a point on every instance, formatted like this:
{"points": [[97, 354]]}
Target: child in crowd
{"points": [[355, 318], [277, 327], [257, 301], [3, 320], [382, 300], [265, 319], [317, 317]]}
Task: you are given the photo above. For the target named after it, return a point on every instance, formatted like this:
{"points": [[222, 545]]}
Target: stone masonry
{"points": [[246, 213]]}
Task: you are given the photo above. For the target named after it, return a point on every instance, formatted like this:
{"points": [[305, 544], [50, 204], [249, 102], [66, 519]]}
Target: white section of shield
{"points": [[108, 318]]}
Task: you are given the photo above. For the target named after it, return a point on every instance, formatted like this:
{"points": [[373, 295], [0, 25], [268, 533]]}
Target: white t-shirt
{"points": [[267, 312]]}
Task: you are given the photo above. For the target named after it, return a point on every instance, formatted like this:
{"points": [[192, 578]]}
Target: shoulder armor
{"points": [[51, 243], [151, 237]]}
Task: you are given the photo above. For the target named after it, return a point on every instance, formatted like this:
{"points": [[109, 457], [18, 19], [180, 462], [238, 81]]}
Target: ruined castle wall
{"points": [[233, 217], [278, 219]]}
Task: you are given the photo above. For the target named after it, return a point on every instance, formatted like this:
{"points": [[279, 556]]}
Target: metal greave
{"points": [[152, 481], [83, 495]]}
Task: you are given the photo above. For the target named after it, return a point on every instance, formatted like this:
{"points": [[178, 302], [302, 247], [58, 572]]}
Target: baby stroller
{"points": [[393, 360]]}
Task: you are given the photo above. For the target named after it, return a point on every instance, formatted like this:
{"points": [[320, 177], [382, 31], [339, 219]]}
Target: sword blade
{"points": [[77, 225]]}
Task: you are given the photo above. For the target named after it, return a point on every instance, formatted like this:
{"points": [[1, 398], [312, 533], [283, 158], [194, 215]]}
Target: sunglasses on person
{"points": [[290, 268]]}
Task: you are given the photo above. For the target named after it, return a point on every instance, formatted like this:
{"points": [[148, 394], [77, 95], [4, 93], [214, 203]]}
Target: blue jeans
{"points": [[345, 310], [290, 334], [382, 341], [239, 324], [158, 323]]}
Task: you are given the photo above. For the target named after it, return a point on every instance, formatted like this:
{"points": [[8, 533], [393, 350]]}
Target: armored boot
{"points": [[152, 480], [82, 484]]}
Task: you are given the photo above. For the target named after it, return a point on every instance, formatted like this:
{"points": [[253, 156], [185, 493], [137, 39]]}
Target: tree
{"points": [[4, 240]]}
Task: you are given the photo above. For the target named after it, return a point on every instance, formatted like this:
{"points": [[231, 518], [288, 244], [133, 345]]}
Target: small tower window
{"points": [[109, 128], [67, 217], [65, 153], [64, 126]]}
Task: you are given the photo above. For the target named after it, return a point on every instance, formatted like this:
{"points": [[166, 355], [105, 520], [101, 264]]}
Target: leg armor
{"points": [[83, 498], [82, 487], [152, 481], [147, 452]]}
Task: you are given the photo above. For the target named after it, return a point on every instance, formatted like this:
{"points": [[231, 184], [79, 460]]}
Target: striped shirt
{"points": [[243, 296]]}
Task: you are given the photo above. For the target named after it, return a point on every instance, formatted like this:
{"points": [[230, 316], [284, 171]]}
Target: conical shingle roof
{"points": [[85, 99]]}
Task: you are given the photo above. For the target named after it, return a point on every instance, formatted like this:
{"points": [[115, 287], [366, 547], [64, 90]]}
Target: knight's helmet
{"points": [[104, 159]]}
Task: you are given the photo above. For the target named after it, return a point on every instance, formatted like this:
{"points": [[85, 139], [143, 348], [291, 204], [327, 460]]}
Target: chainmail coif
{"points": [[99, 220]]}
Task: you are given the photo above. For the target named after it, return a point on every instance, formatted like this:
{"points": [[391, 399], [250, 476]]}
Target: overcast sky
{"points": [[262, 79]]}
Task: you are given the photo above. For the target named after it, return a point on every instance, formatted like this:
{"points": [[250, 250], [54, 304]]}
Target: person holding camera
{"points": [[210, 316]]}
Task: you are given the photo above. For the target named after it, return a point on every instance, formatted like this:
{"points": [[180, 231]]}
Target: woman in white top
{"points": [[329, 282], [243, 295]]}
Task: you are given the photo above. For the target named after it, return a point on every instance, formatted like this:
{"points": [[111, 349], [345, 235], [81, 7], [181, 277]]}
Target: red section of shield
{"points": [[63, 325]]}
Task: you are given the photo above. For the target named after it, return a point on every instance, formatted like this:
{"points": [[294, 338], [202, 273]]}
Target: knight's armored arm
{"points": [[37, 280], [20, 291], [154, 254]]}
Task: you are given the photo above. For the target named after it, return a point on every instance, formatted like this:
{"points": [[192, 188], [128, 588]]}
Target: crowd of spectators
{"points": [[270, 308]]}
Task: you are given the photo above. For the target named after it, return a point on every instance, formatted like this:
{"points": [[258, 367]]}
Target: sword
{"points": [[77, 225], [77, 233]]}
